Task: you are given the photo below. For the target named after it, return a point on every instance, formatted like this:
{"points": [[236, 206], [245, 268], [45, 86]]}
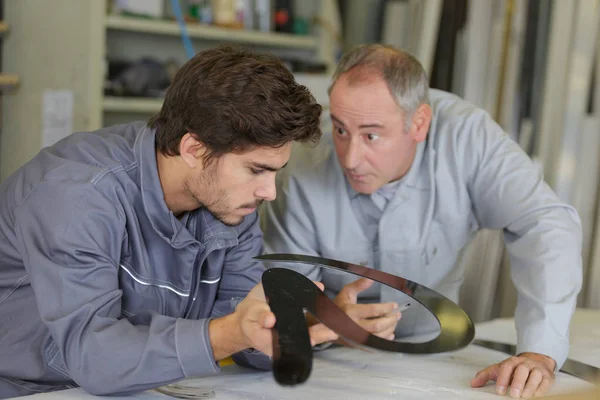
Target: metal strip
{"points": [[288, 292], [555, 86], [576, 96]]}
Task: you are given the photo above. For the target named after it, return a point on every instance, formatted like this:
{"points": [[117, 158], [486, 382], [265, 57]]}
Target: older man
{"points": [[407, 177]]}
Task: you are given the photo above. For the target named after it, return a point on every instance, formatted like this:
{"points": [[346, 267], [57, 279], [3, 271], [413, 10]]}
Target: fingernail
{"points": [[516, 393], [501, 390], [398, 316], [395, 305]]}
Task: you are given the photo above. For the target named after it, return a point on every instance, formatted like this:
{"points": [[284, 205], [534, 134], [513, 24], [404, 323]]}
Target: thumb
{"points": [[320, 285], [350, 291], [267, 320]]}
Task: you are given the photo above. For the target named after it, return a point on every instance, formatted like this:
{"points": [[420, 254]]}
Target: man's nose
{"points": [[352, 156], [268, 191]]}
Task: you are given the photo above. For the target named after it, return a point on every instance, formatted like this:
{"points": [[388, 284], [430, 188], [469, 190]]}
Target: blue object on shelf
{"points": [[185, 38]]}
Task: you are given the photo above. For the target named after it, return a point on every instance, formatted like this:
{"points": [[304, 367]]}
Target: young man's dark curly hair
{"points": [[234, 100]]}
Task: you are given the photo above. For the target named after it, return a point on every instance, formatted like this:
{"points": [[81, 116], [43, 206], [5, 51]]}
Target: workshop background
{"points": [[73, 65]]}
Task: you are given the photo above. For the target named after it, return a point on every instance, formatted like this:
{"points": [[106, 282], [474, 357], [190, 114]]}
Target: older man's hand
{"points": [[528, 375], [380, 319]]}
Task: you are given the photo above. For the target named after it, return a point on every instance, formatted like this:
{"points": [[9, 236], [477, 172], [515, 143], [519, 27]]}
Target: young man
{"points": [[407, 178], [125, 253]]}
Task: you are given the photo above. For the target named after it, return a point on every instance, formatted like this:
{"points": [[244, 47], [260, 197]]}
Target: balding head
{"points": [[404, 75]]}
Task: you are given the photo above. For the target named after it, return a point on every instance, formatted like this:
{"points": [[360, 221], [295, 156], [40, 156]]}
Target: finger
{"points": [[380, 325], [504, 375], [320, 285], [485, 375], [376, 310], [519, 379], [544, 386], [349, 293], [533, 382], [319, 333], [388, 334], [385, 310], [356, 311]]}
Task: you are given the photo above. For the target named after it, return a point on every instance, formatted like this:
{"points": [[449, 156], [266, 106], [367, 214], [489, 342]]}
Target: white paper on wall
{"points": [[57, 115]]}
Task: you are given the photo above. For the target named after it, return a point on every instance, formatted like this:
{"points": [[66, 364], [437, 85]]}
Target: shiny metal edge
{"points": [[456, 327]]}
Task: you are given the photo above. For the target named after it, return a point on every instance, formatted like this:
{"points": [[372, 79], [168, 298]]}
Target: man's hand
{"points": [[250, 327], [528, 374], [378, 319]]}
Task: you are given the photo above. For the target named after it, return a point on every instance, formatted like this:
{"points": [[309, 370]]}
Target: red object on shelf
{"points": [[281, 17]]}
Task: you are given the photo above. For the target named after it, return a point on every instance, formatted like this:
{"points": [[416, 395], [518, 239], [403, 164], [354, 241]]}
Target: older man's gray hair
{"points": [[403, 73]]}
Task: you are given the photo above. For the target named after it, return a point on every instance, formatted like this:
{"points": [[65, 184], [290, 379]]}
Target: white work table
{"points": [[584, 335], [348, 374]]}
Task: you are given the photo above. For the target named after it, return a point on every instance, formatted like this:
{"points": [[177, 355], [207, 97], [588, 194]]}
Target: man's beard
{"points": [[222, 215], [208, 183]]}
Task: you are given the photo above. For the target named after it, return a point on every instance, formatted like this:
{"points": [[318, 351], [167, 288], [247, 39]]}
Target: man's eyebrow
{"points": [[336, 120], [363, 126], [266, 167], [373, 125]]}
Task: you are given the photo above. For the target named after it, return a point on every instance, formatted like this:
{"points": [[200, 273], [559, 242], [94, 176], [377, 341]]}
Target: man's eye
{"points": [[340, 131], [257, 171], [372, 137]]}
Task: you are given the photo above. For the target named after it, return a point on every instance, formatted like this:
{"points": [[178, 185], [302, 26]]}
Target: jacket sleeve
{"points": [[71, 238], [288, 224], [240, 275], [542, 236]]}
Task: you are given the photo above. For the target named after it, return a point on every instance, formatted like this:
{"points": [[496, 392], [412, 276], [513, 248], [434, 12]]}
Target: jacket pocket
{"points": [[54, 360], [141, 294], [441, 254], [446, 239]]}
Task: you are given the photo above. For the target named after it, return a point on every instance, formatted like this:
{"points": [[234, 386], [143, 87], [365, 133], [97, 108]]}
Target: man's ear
{"points": [[421, 120], [191, 150]]}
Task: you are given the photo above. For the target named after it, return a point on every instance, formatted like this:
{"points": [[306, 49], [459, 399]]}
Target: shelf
{"points": [[208, 32], [139, 105], [8, 80], [3, 27]]}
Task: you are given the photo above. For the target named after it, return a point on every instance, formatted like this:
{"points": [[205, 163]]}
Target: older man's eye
{"points": [[257, 171], [340, 131], [372, 137]]}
